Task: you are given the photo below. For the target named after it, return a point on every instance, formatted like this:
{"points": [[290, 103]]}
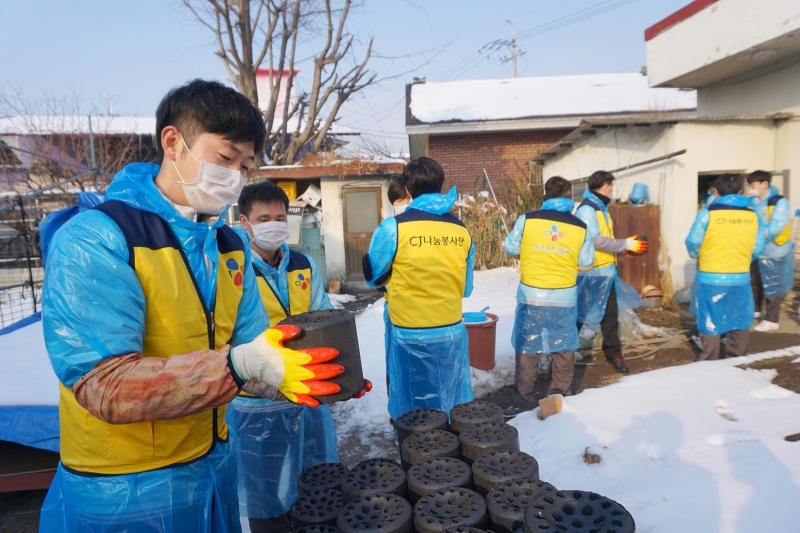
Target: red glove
{"points": [[635, 245], [362, 392]]}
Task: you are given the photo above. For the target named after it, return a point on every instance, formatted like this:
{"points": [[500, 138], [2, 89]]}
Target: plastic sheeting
{"points": [[593, 290], [722, 302], [199, 497], [777, 274], [53, 221], [545, 328], [275, 442], [428, 368]]}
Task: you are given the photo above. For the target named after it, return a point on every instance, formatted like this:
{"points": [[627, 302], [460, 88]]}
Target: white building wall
{"points": [[778, 91], [721, 30], [333, 219], [711, 148]]}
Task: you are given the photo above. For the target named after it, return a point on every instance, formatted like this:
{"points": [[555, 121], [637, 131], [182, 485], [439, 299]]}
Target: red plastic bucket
{"points": [[481, 342]]}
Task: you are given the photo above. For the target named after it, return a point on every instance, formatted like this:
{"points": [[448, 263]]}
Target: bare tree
{"points": [[252, 33]]}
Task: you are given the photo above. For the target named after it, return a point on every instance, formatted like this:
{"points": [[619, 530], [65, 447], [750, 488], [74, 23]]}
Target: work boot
{"points": [[513, 410], [618, 362]]}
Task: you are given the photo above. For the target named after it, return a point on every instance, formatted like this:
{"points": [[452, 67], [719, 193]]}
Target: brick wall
{"points": [[464, 157]]}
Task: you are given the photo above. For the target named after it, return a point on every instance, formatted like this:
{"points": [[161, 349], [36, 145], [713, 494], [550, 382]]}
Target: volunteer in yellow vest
{"points": [[552, 245], [143, 297], [597, 289], [725, 237], [772, 274], [424, 258], [275, 439]]}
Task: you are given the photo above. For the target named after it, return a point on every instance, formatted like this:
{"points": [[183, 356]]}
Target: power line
{"points": [[468, 63]]}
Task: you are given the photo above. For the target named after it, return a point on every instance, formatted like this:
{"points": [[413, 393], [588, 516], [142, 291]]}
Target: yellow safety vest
{"points": [[786, 234], [429, 271], [729, 241], [299, 283], [601, 258], [551, 243], [176, 322]]}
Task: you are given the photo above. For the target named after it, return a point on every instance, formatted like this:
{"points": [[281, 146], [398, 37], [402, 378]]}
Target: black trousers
{"points": [[609, 326], [773, 304]]}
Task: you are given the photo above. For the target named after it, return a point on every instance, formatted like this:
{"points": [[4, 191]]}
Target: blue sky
{"points": [[135, 51]]}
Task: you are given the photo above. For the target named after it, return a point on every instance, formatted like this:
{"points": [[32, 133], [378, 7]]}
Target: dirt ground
{"points": [[19, 510]]}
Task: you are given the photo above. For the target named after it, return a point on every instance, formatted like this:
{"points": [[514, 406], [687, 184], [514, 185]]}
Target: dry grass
{"points": [[485, 218]]}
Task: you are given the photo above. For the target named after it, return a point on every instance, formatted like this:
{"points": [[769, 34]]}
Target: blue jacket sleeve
{"points": [[251, 318], [698, 232], [513, 240], [93, 306], [319, 298], [588, 216], [761, 235], [382, 250], [779, 219], [586, 255], [470, 271]]}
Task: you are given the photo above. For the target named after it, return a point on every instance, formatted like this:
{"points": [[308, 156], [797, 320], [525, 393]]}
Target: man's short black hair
{"points": [[423, 176], [203, 106], [557, 187], [264, 192], [598, 179], [729, 184], [759, 175], [397, 190]]}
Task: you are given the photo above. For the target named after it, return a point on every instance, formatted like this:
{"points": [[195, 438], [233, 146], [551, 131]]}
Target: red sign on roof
{"points": [[680, 15]]}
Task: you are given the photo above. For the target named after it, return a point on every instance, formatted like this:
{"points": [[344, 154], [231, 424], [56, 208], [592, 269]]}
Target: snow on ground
{"points": [[690, 448], [543, 96], [694, 448], [24, 354]]}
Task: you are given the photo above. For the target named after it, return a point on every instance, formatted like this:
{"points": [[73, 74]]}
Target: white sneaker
{"points": [[766, 325]]}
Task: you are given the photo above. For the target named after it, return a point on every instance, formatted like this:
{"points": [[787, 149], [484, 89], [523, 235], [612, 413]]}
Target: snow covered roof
{"points": [[101, 125], [546, 96]]}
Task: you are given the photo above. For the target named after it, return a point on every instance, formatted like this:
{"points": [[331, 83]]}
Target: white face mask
{"points": [[214, 189], [269, 235], [752, 192], [399, 209]]}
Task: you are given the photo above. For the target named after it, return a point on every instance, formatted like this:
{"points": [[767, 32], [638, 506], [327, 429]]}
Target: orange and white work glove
{"points": [[298, 374], [635, 245]]}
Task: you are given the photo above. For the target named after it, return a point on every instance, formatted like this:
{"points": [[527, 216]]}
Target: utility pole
{"points": [[513, 48]]}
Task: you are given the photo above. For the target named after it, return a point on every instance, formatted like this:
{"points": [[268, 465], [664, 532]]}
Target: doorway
{"points": [[362, 214]]}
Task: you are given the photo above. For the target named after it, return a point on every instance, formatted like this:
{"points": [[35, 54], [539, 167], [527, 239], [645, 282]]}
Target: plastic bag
{"points": [[627, 297], [275, 442], [545, 329], [198, 497], [777, 274], [428, 368], [722, 302]]}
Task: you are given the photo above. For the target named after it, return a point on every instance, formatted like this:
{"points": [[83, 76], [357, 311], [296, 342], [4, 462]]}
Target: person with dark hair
{"points": [[398, 195], [772, 273], [552, 245], [597, 290], [299, 437], [424, 257], [725, 238], [143, 298]]}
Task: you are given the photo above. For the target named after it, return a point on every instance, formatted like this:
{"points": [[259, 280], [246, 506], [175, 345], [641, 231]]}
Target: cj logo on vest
{"points": [[553, 233], [301, 282], [235, 271]]}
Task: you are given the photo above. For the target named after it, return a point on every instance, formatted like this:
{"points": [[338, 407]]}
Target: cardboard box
{"points": [[312, 196], [295, 219]]}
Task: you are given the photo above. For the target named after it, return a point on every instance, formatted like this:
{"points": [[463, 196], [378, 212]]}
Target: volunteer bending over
{"points": [[143, 298], [275, 439]]}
